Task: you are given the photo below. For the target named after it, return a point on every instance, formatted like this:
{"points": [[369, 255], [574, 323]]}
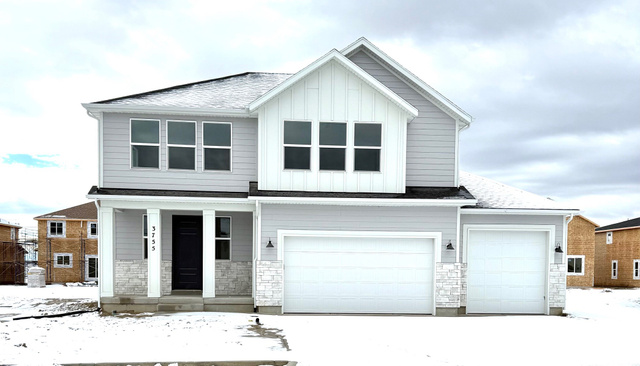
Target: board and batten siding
{"points": [[129, 241], [332, 93], [276, 217], [430, 136], [515, 220], [117, 171]]}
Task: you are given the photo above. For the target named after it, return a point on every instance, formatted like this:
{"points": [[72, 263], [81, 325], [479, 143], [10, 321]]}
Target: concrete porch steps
{"points": [[180, 302]]}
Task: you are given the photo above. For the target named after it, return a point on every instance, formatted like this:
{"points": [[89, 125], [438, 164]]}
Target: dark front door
{"points": [[187, 253]]}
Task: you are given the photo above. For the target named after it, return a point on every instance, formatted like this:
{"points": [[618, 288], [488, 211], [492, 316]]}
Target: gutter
{"points": [[92, 108]]}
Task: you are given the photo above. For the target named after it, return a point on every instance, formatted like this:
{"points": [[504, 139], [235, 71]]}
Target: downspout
{"points": [[98, 117], [566, 236]]}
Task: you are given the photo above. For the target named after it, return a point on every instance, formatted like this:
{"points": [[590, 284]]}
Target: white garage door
{"points": [[506, 272], [358, 275]]}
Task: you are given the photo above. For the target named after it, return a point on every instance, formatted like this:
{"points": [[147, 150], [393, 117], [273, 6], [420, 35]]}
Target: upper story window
{"points": [[609, 237], [13, 233], [223, 238], [297, 145], [145, 143], [575, 265], [333, 145], [92, 230], [181, 145], [56, 229], [367, 146], [216, 144]]}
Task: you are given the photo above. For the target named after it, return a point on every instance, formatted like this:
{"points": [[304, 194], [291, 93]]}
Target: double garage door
{"points": [[358, 275], [506, 271]]}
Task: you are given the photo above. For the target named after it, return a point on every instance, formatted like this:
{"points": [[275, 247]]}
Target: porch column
{"points": [[106, 275], [154, 263], [209, 253]]}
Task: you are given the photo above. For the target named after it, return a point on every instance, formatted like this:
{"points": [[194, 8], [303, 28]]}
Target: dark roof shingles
{"points": [[621, 225], [85, 211]]}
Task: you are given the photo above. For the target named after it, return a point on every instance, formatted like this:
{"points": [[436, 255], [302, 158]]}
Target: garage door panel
{"points": [[358, 275]]}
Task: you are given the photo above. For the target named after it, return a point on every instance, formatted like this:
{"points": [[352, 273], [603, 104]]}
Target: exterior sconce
{"points": [[450, 246], [269, 244], [558, 248]]}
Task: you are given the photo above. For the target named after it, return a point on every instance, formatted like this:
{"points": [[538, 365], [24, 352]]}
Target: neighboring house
{"points": [[618, 254], [11, 254], [333, 190], [581, 252], [68, 244]]}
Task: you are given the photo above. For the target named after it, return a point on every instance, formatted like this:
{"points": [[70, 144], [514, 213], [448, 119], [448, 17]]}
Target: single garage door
{"points": [[506, 271], [358, 275]]}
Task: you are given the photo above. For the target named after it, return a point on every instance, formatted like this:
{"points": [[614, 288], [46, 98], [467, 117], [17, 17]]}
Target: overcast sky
{"points": [[553, 86]]}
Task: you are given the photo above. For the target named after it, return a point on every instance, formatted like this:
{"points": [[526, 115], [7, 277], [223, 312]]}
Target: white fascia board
{"points": [[518, 211], [363, 42], [168, 199], [93, 107], [339, 57], [363, 201]]}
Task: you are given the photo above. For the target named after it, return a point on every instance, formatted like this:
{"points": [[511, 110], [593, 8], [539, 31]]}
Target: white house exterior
{"points": [[332, 190]]}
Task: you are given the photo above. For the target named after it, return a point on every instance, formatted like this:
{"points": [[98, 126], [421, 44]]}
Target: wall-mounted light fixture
{"points": [[450, 246], [269, 244], [558, 248]]}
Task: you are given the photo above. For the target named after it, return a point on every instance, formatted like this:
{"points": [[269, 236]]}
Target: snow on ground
{"points": [[600, 329]]}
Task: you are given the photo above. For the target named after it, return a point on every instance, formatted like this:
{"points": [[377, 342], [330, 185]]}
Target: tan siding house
{"points": [[68, 244], [581, 252], [618, 254]]}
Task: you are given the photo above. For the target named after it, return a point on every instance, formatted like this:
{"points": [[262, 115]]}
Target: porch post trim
{"points": [[154, 230], [209, 253], [106, 251]]}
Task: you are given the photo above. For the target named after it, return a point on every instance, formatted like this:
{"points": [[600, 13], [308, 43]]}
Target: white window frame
{"points": [[609, 237], [356, 147], [87, 258], [614, 269], [89, 225], [574, 257], [145, 238], [13, 233], [636, 269], [64, 229], [194, 146], [229, 238], [131, 143], [346, 142], [230, 147], [58, 255], [310, 145]]}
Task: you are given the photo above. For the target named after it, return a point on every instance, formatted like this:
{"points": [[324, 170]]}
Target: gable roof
{"points": [[628, 224], [233, 93], [87, 211], [495, 195], [587, 220], [426, 90], [340, 58]]}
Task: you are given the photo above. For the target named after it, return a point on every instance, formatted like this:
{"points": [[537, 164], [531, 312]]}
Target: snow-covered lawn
{"points": [[602, 329]]}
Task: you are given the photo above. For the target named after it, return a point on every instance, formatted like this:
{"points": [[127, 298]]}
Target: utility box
{"points": [[36, 277]]}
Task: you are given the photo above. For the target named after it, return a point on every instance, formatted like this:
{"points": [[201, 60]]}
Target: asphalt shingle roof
{"points": [[86, 211], [621, 225], [229, 92], [495, 195]]}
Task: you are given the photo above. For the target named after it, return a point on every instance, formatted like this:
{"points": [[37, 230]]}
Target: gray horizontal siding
{"points": [[352, 218], [116, 158], [430, 136], [128, 235], [556, 220]]}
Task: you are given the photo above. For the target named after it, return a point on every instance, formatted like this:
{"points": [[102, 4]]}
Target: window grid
{"points": [[56, 229], [184, 146], [614, 269], [217, 147], [133, 162]]}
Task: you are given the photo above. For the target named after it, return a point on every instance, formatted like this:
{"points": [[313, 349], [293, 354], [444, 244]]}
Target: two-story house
{"points": [[617, 254], [332, 190]]}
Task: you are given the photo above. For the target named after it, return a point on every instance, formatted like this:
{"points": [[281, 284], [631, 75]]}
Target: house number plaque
{"points": [[153, 238]]}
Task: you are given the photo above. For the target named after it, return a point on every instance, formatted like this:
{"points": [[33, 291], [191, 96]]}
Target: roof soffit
{"points": [[349, 65]]}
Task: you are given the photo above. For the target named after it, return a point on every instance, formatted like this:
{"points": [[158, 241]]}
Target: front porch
{"points": [[178, 301]]}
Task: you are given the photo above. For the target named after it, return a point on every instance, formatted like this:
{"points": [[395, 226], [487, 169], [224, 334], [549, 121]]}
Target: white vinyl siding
{"points": [[117, 171]]}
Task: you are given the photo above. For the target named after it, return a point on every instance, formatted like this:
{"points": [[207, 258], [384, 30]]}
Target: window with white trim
{"points": [[62, 260], [92, 230], [367, 143], [13, 233], [614, 269], [575, 265], [297, 145], [56, 229], [333, 145], [91, 268], [145, 143], [181, 145], [223, 238], [636, 269], [145, 236], [609, 237], [216, 145]]}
